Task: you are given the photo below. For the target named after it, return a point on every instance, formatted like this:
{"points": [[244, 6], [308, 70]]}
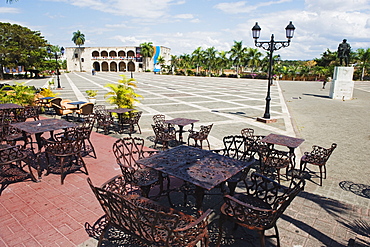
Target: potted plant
{"points": [[51, 84], [91, 95]]}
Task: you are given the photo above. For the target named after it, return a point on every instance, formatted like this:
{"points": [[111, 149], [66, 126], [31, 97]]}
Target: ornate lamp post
{"points": [[271, 46], [56, 60]]}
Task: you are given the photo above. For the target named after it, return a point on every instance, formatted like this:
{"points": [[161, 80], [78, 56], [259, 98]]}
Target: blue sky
{"points": [[184, 25]]}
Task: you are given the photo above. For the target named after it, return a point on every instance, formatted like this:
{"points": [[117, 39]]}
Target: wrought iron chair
{"points": [[13, 160], [150, 222], [247, 132], [234, 147], [86, 128], [33, 112], [259, 206], [163, 134], [318, 157], [159, 119], [132, 119], [201, 135], [273, 160], [127, 151], [103, 118], [66, 151], [12, 135]]}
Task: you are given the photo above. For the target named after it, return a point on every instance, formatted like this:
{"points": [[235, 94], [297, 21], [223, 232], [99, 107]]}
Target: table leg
{"points": [[199, 196], [181, 128]]}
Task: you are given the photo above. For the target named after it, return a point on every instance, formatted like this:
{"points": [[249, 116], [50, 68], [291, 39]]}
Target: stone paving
{"points": [[330, 215]]}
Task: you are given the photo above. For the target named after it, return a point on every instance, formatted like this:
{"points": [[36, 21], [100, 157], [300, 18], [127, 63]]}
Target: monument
{"points": [[342, 83]]}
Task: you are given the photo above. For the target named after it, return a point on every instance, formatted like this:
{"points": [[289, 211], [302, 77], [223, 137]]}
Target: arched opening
{"points": [[122, 54], [113, 66], [96, 66], [113, 54], [130, 54], [131, 66], [104, 54], [122, 66], [104, 66], [95, 54]]}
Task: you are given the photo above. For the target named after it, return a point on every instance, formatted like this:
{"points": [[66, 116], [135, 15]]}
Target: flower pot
{"points": [[92, 100]]}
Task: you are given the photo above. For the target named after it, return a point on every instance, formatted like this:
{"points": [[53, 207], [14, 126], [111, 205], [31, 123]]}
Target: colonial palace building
{"points": [[114, 59]]}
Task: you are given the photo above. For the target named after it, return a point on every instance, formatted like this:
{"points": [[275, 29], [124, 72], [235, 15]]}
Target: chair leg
{"points": [[324, 171], [92, 147], [320, 175], [277, 236], [262, 238], [220, 230], [209, 146]]}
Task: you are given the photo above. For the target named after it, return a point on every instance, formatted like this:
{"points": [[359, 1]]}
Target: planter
{"points": [[92, 100]]}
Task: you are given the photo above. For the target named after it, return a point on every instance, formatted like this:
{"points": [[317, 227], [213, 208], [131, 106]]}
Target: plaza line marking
{"points": [[77, 92]]}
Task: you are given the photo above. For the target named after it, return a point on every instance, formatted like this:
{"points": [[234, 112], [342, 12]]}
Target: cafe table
{"points": [[39, 127], [202, 168], [10, 106], [120, 112], [181, 122]]}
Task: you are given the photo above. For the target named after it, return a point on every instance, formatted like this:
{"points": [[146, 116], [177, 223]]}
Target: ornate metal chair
{"points": [[12, 135], [247, 132], [150, 222], [132, 119], [103, 118], [201, 135], [33, 112], [318, 157], [273, 160], [66, 151], [259, 206], [163, 134], [159, 119], [127, 151], [85, 130], [13, 160]]}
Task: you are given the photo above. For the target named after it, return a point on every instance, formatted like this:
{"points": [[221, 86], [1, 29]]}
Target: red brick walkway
{"points": [[50, 214]]}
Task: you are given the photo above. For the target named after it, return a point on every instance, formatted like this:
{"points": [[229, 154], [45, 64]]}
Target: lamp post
{"points": [[271, 46], [56, 60]]}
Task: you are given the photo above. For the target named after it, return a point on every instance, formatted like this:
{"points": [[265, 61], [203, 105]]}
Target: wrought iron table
{"points": [[120, 112], [181, 122], [203, 168], [9, 106], [41, 126]]}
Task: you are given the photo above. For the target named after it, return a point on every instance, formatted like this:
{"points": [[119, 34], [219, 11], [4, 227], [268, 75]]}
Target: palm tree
{"points": [[198, 58], [161, 61], [123, 94], [210, 59], [184, 62], [364, 57], [79, 39], [222, 61], [174, 63], [147, 51], [254, 57], [237, 55]]}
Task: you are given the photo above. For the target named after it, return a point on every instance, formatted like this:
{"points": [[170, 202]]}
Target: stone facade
{"points": [[113, 59]]}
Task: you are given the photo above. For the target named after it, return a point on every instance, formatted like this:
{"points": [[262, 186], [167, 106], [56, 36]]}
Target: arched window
{"points": [[104, 54], [122, 54], [96, 66], [122, 66], [131, 54], [131, 66], [113, 67], [95, 54], [113, 54], [104, 66]]}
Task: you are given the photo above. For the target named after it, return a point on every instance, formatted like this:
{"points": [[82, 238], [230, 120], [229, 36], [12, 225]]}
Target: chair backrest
{"points": [[151, 221], [100, 109], [87, 108], [65, 143], [32, 112], [275, 158], [12, 154], [133, 117], [247, 132], [56, 101], [127, 151], [320, 155], [234, 147], [268, 199], [159, 119]]}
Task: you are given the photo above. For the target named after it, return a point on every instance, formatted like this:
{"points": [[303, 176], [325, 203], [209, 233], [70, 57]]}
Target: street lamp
{"points": [[271, 46], [56, 60]]}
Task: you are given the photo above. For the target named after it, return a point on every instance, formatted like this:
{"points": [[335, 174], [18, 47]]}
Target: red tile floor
{"points": [[50, 214]]}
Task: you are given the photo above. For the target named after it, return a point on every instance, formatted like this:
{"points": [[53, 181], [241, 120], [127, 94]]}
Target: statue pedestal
{"points": [[342, 83]]}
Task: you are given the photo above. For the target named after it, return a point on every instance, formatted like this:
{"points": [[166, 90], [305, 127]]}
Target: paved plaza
{"points": [[335, 214]]}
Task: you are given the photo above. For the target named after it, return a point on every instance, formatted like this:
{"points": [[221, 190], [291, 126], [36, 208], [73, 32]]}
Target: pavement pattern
{"points": [[335, 214]]}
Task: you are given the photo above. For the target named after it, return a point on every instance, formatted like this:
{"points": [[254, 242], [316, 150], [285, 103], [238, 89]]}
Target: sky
{"points": [[184, 25]]}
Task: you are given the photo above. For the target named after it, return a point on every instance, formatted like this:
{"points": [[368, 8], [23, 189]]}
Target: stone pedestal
{"points": [[342, 83]]}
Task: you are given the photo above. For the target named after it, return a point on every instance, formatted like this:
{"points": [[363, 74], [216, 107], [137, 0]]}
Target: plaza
{"points": [[320, 216]]}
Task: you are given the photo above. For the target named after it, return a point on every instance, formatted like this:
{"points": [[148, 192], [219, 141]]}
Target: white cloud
{"points": [[7, 10], [184, 16], [244, 7]]}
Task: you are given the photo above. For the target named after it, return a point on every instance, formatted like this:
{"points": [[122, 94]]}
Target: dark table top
{"points": [[10, 106], [41, 126], [46, 98], [181, 121], [283, 140], [120, 110], [77, 102], [200, 167]]}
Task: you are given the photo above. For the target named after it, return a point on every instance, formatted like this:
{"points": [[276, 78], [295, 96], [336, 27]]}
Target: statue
{"points": [[343, 52]]}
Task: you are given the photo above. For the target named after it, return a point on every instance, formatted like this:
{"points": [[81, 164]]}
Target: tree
{"points": [[147, 50], [237, 55], [123, 94], [79, 39], [210, 59], [19, 46], [184, 62], [253, 57], [363, 56], [222, 61], [161, 61], [198, 58]]}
